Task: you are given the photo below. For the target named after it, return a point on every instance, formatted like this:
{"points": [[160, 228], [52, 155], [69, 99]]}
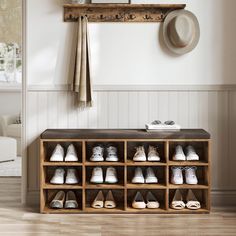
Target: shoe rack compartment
{"points": [[131, 149], [124, 191], [159, 194], [200, 194], [91, 144], [160, 173], [49, 194], [117, 194], [120, 176]]}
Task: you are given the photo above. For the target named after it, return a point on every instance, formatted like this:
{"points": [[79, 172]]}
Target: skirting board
{"points": [[220, 198]]}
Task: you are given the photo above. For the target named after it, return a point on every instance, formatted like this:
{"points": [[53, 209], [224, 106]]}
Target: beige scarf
{"points": [[82, 80]]}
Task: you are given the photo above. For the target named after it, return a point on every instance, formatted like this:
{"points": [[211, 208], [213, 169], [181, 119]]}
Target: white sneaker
{"points": [[138, 201], [71, 154], [191, 154], [72, 176], [150, 177], [138, 176], [58, 177], [97, 176], [139, 154], [177, 175], [179, 154], [111, 176], [190, 175], [111, 154], [153, 155], [58, 153], [97, 154]]}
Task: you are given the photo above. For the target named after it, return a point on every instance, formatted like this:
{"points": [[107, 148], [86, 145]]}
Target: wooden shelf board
{"points": [[145, 163], [61, 186], [188, 211], [47, 163], [61, 211], [104, 186], [116, 210], [187, 163], [188, 186], [145, 186], [104, 163], [145, 211]]}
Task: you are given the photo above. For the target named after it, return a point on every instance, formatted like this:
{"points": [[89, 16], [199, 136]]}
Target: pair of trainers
{"points": [[98, 154], [100, 201], [97, 176], [191, 154], [59, 176], [191, 201], [140, 154], [64, 200], [58, 154], [139, 202], [190, 175], [150, 177]]}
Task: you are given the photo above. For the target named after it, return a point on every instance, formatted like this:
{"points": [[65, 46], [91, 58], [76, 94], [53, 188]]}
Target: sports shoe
{"points": [[111, 176], [110, 201], [150, 177], [58, 153], [98, 201], [139, 154], [72, 176], [153, 155], [58, 177], [190, 175], [97, 176], [71, 201], [152, 202], [111, 154], [138, 201], [177, 175], [71, 154], [191, 154], [97, 154], [58, 200], [177, 201], [138, 176], [179, 154]]}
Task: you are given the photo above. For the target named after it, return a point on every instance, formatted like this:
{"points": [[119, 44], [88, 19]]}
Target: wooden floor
{"points": [[18, 220]]}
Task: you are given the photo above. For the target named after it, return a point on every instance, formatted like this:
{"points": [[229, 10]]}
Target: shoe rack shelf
{"points": [[124, 191]]}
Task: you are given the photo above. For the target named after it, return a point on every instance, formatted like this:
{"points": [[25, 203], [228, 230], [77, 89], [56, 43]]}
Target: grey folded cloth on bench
{"points": [[81, 83]]}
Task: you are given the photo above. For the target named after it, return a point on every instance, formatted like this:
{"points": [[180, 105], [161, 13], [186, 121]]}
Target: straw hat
{"points": [[181, 31]]}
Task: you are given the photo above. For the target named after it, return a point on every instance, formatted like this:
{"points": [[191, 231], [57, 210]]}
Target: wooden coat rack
{"points": [[119, 12]]}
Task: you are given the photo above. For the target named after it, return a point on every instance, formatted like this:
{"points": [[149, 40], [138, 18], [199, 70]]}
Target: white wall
{"points": [[132, 53], [10, 103]]}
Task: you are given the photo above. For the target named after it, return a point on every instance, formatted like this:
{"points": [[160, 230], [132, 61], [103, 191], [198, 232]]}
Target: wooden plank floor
{"points": [[18, 220]]}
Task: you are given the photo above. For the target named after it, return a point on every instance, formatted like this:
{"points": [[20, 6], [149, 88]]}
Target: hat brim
{"points": [[193, 44]]}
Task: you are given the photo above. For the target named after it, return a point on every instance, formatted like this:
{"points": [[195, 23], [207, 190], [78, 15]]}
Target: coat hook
{"points": [[132, 17], [102, 17], [147, 17], [118, 17]]}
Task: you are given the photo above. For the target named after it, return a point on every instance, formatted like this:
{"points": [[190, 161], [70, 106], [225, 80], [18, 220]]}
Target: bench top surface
{"points": [[123, 134]]}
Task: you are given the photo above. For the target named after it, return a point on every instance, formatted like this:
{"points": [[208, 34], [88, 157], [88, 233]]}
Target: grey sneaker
{"points": [[58, 200]]}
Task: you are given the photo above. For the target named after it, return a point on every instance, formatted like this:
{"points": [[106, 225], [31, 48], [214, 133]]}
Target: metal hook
{"points": [[102, 17], [118, 17], [147, 17], [132, 17]]}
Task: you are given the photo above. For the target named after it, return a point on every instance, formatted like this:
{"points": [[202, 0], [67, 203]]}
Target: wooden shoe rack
{"points": [[124, 191]]}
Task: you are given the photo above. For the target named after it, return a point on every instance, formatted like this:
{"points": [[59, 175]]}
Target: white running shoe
{"points": [[72, 176], [150, 177], [97, 176], [97, 154], [58, 177], [153, 154], [138, 201], [138, 176], [190, 175], [71, 154], [58, 154], [177, 175], [111, 176], [191, 154], [179, 154], [139, 154], [111, 154]]}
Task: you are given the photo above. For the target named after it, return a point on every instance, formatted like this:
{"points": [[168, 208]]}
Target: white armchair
{"points": [[11, 129]]}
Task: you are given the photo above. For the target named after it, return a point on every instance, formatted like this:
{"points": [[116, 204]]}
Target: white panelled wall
{"points": [[212, 110]]}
